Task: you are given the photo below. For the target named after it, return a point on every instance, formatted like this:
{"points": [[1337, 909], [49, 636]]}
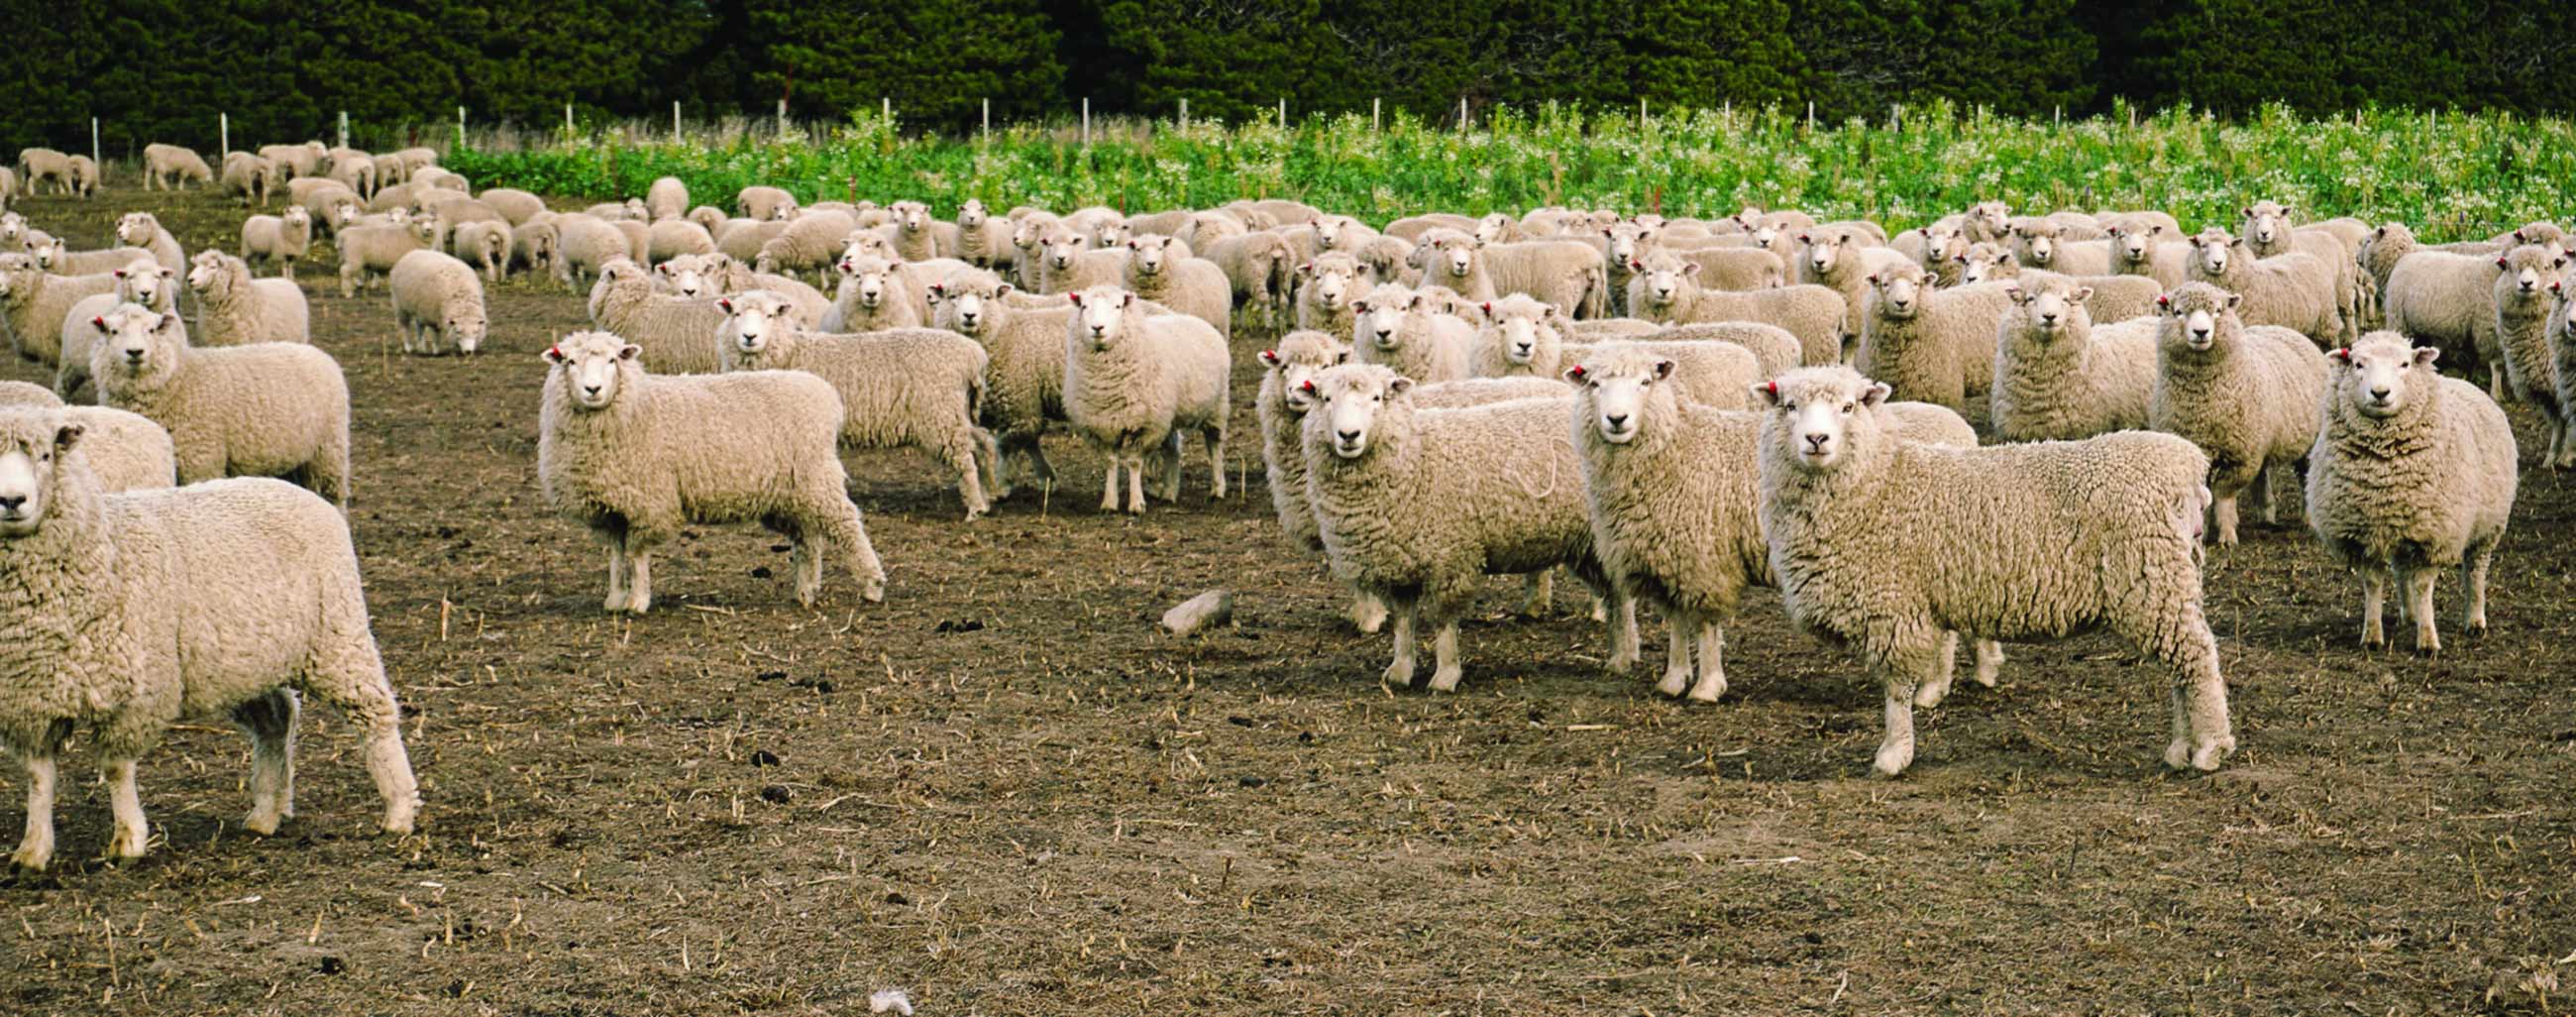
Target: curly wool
{"points": [[874, 295], [142, 229], [2074, 380], [2525, 292], [1298, 358], [1666, 291], [1169, 276], [2294, 291], [1940, 348], [34, 302], [2249, 401], [1407, 332], [1024, 380], [262, 410], [282, 239], [234, 309]]}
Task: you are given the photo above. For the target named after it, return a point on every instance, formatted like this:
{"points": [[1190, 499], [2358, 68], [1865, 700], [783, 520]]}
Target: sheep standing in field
{"points": [[142, 282], [171, 168], [2295, 291], [33, 302], [2114, 297], [915, 388], [1024, 381], [1936, 248], [2528, 282], [2561, 337], [1522, 337], [1566, 273], [2411, 473], [2044, 243], [584, 245], [874, 296], [1288, 372], [981, 242], [675, 335], [634, 457], [483, 245], [666, 198], [1260, 268], [8, 187], [1930, 345], [279, 239], [1398, 327], [1067, 263], [234, 308], [2059, 377], [437, 297], [2447, 301], [533, 246], [354, 170], [1666, 290], [125, 451], [810, 243], [2147, 249], [141, 229], [145, 608], [2247, 395], [262, 410], [1161, 269], [1414, 505], [1324, 293], [1136, 384], [1843, 261], [370, 251], [86, 177], [916, 236], [666, 239], [714, 275], [39, 166], [765, 203]]}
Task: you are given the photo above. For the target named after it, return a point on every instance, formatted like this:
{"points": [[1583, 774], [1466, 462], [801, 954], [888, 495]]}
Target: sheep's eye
{"points": [[1847, 408]]}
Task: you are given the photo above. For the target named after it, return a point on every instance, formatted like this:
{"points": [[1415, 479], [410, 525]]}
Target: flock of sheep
{"points": [[1672, 410]]}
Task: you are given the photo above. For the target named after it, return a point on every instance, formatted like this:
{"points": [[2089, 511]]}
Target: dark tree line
{"points": [[159, 69]]}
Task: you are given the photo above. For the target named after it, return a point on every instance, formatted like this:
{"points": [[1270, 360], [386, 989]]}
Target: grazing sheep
{"points": [[483, 245], [1398, 327], [874, 296], [2412, 472], [584, 245], [666, 239], [810, 243], [370, 251], [2295, 291], [234, 308], [1665, 290], [85, 177], [2058, 377], [915, 388], [34, 302], [262, 410], [141, 281], [42, 165], [1024, 383], [281, 239], [144, 608], [437, 297], [533, 245], [303, 160], [635, 456], [1259, 267], [141, 229], [2145, 250], [1566, 273], [1413, 505], [2528, 282], [666, 198], [170, 168], [676, 335], [765, 203], [1138, 383], [1160, 269], [2248, 395], [354, 170], [1890, 545], [1930, 345]]}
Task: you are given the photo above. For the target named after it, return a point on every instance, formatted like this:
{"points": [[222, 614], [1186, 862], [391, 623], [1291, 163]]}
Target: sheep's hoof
{"points": [[128, 845], [30, 860], [2373, 641], [262, 822], [639, 603], [1446, 679], [2475, 627], [400, 820], [2428, 648], [1369, 616], [1892, 760], [1929, 695], [1398, 674], [873, 591], [1676, 681], [1709, 690]]}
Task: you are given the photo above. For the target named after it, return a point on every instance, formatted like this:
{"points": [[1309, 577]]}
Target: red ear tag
{"points": [[1578, 371], [1773, 386], [2342, 355]]}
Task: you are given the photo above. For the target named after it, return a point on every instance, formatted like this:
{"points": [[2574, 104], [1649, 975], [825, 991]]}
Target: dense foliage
{"points": [[2454, 175], [161, 69]]}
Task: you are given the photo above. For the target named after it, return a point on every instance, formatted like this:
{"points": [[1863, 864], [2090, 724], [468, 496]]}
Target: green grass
{"points": [[2452, 175]]}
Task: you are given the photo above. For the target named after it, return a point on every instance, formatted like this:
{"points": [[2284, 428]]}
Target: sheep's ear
{"points": [[2083, 293], [1690, 268], [1075, 296], [2157, 228], [2247, 211], [628, 351], [1874, 280], [1663, 369], [2426, 355], [1003, 290], [1802, 238], [1876, 393], [120, 273], [2501, 263], [1270, 357], [1767, 391], [1960, 258], [2233, 299], [2012, 292], [169, 320], [1399, 385], [99, 323], [1306, 268], [553, 355], [938, 290], [2164, 301], [1488, 308], [67, 436], [1636, 265], [1126, 299], [725, 303], [1307, 386], [1577, 374]]}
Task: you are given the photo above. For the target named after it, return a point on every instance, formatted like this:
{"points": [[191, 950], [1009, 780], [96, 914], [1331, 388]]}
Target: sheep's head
{"points": [[1452, 253], [136, 342], [1100, 317], [206, 271], [593, 367], [870, 279], [1299, 357], [2528, 273], [965, 302], [971, 214], [143, 281], [1349, 400], [2266, 222], [35, 449], [685, 275], [1378, 317], [1900, 288], [1112, 233], [135, 229], [1941, 243], [2213, 248], [2378, 373], [17, 274], [1663, 274], [1996, 216], [760, 319], [1628, 240], [1329, 277], [1984, 262], [1059, 247], [1495, 228], [1825, 248], [1029, 232], [2050, 307], [2136, 241], [1519, 322], [1616, 388], [295, 216], [1148, 253], [13, 227], [465, 327], [911, 216], [1819, 418], [2198, 318]]}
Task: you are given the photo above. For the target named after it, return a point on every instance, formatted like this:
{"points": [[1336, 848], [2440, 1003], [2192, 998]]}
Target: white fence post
{"points": [[1283, 113], [1641, 114], [1185, 114], [1462, 114], [344, 128], [675, 121], [1373, 115], [988, 121], [93, 146], [885, 107], [460, 126], [224, 127], [1811, 115], [782, 116], [1086, 121], [567, 118]]}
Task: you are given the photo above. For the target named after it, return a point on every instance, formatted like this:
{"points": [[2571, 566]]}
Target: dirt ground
{"points": [[1004, 790]]}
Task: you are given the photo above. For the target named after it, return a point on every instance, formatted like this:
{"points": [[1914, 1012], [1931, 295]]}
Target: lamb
{"points": [[1665, 290], [1888, 545], [765, 203], [2058, 377], [142, 282], [437, 297], [2447, 300], [913, 387], [2294, 291], [666, 239], [483, 245], [1395, 326], [1024, 383], [810, 243], [282, 239], [666, 198], [170, 168], [369, 251], [114, 612], [1674, 500], [1135, 383], [515, 205], [2248, 395], [1257, 266], [2412, 472], [34, 302], [635, 456], [2529, 280], [40, 165], [1930, 345], [584, 245], [262, 410], [1160, 269], [141, 229], [916, 236], [675, 335], [1413, 505], [1323, 303], [874, 296]]}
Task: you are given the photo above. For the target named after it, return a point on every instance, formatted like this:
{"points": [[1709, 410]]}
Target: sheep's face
{"points": [[1493, 228], [783, 211], [1378, 318], [1112, 235], [17, 274], [2135, 241], [204, 271], [1900, 293], [1627, 241], [144, 283], [296, 217], [1516, 323], [13, 227], [1986, 263], [1149, 254], [1334, 232], [32, 446], [2196, 316], [1455, 255], [2212, 248], [1101, 318], [2377, 373], [1029, 233], [1767, 237], [2040, 242], [1941, 243], [1815, 414], [2266, 223], [685, 275], [758, 318], [1329, 281], [971, 214], [1061, 246], [1348, 401], [1664, 277], [466, 330], [2048, 309], [912, 216], [134, 229], [1615, 388], [136, 342], [1994, 214], [966, 308], [1297, 362], [870, 281], [593, 367], [2529, 273]]}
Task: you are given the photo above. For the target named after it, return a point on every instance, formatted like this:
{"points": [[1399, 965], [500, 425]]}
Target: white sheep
{"points": [[34, 302], [810, 243], [141, 281], [1398, 327], [171, 168], [715, 275], [149, 607], [354, 170], [766, 203], [2411, 473], [1566, 273], [483, 245], [666, 198], [2528, 281], [2562, 358], [40, 166], [1930, 345], [281, 239], [669, 238], [1843, 261], [2247, 395], [234, 308], [1890, 545], [915, 388], [982, 242], [1665, 289], [874, 295], [515, 205], [126, 452], [2060, 377], [248, 178], [437, 297], [2294, 291], [1024, 382], [584, 245], [1259, 266], [262, 410], [1413, 505], [533, 245], [85, 177], [2045, 243], [141, 229], [370, 251], [1324, 291], [1135, 383], [634, 457], [2148, 249], [1161, 269], [677, 335]]}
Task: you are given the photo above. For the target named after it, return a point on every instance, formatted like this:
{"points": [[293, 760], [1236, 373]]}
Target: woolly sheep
{"points": [[2044, 243], [141, 281], [170, 168], [141, 229], [1566, 273], [1936, 248], [53, 256], [2059, 377], [436, 297], [2561, 337], [2529, 280], [234, 308], [1066, 263], [1412, 228], [533, 246], [810, 243], [262, 410], [1888, 545], [669, 238], [2447, 300], [1522, 337], [715, 275], [27, 394], [767, 203], [483, 245], [675, 335], [2145, 250], [370, 251], [1280, 407], [874, 296], [33, 302], [584, 245], [1665, 290], [2294, 291], [916, 236], [282, 239], [635, 456], [1987, 222], [1774, 350], [85, 177], [41, 165], [666, 198], [1258, 267], [8, 187], [1930, 345], [1397, 327], [1160, 269], [2269, 232], [135, 569], [2247, 395], [1024, 381], [1842, 260], [1324, 291], [515, 205], [1135, 383], [915, 388], [303, 160], [1412, 505], [354, 170], [982, 242], [2411, 472], [2113, 297]]}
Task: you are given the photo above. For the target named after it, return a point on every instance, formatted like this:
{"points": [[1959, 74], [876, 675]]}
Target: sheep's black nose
{"points": [[10, 503], [2379, 394], [1618, 421], [1819, 440], [1347, 436]]}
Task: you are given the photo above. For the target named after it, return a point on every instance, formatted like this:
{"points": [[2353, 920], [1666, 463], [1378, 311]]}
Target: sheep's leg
{"points": [[1399, 673], [1677, 654], [36, 846], [2473, 583], [1904, 667], [1712, 665], [1368, 612], [1216, 457], [2202, 737], [1935, 684], [1538, 593], [270, 718], [617, 576], [1136, 482], [960, 454], [2222, 511], [1624, 651], [988, 458], [1990, 663], [2495, 381], [2418, 583], [125, 801], [1109, 488], [348, 280], [1446, 667], [850, 534], [2374, 593], [1174, 446], [639, 576]]}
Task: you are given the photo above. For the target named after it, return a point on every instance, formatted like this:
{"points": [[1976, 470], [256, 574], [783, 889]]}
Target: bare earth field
{"points": [[1005, 790]]}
